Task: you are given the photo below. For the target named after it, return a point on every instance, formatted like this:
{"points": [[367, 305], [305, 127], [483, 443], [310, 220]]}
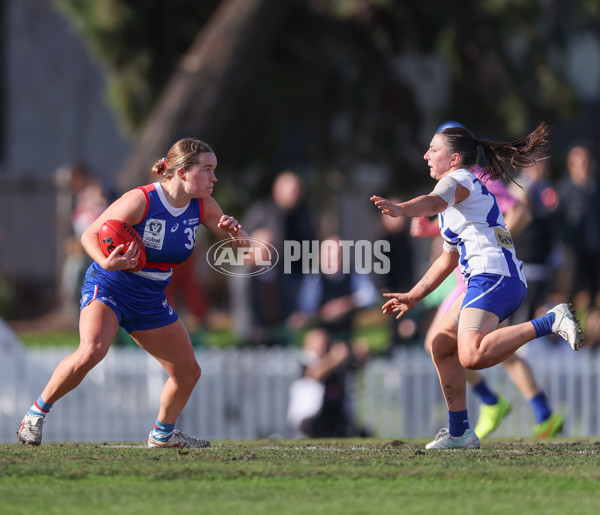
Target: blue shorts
{"points": [[498, 294], [135, 312]]}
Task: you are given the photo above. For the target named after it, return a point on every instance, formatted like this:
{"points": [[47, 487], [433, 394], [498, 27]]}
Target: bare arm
{"points": [[130, 209], [425, 205], [221, 225], [441, 268]]}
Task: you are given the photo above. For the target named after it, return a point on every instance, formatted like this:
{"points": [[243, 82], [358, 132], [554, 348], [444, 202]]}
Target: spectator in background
{"points": [[328, 304], [397, 232], [578, 213], [592, 330], [262, 304], [401, 276], [331, 299], [320, 402], [186, 294], [537, 241], [89, 198], [265, 301]]}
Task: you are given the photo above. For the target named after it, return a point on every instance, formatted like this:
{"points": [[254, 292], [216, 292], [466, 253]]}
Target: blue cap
{"points": [[451, 124]]}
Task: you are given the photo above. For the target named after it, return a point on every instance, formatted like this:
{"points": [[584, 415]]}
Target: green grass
{"points": [[305, 476], [49, 338]]}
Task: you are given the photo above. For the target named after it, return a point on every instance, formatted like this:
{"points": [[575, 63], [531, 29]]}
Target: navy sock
{"points": [[459, 422], [485, 394], [162, 432], [40, 408], [543, 325], [541, 409]]}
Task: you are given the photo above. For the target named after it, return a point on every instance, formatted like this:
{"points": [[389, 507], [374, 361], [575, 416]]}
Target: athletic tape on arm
{"points": [[450, 248], [446, 188]]}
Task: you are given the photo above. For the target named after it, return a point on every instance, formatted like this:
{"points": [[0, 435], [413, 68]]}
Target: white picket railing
{"points": [[243, 394]]}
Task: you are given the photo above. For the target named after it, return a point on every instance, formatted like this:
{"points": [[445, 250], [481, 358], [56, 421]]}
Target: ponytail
{"points": [[502, 157], [160, 167]]}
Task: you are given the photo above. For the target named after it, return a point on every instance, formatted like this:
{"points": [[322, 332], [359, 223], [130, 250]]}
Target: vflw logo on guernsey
{"points": [[250, 257]]}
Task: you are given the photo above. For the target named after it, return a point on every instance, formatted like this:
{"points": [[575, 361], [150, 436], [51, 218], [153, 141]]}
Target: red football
{"points": [[114, 233]]}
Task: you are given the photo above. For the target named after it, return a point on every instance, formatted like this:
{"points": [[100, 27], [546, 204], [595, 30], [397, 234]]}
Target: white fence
{"points": [[243, 394]]}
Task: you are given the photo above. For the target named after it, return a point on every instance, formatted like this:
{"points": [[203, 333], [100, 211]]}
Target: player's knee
{"points": [[470, 362], [441, 346], [89, 356], [471, 359], [471, 352], [193, 375], [186, 375]]}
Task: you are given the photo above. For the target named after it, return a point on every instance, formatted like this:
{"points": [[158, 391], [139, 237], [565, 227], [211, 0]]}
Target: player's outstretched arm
{"points": [[221, 225], [425, 205], [401, 303]]}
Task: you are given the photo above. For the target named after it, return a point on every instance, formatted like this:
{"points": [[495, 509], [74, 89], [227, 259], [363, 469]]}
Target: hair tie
{"points": [[164, 161]]}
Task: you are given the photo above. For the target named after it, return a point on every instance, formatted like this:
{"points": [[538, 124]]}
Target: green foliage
{"points": [[218, 338], [139, 43], [302, 476], [331, 93], [49, 339]]}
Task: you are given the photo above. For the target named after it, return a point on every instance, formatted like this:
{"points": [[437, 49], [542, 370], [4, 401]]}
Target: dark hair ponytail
{"points": [[502, 157]]}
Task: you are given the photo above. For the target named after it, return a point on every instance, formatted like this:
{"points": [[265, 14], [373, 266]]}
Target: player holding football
{"points": [[166, 215], [476, 239]]}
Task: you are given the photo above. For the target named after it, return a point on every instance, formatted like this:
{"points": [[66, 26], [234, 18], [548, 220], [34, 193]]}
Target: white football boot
{"points": [[444, 440], [566, 325], [177, 440], [30, 431]]}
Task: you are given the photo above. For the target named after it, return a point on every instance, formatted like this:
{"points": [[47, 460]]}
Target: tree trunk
{"points": [[200, 98]]}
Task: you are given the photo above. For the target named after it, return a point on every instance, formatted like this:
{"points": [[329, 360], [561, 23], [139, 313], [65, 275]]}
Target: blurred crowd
{"points": [[559, 246], [336, 317]]}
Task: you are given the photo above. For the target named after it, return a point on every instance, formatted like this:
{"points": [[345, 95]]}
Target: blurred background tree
{"points": [[332, 82]]}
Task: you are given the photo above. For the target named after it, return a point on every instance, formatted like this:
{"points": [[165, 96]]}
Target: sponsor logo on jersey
{"points": [[504, 238], [175, 227], [154, 233]]}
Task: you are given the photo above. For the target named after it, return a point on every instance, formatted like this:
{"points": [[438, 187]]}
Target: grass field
{"points": [[301, 477]]}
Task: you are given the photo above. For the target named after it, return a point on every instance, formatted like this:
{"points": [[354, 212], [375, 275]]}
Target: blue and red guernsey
{"points": [[169, 234]]}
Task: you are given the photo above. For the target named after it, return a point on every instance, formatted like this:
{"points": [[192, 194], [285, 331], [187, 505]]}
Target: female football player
{"points": [[476, 239], [166, 215]]}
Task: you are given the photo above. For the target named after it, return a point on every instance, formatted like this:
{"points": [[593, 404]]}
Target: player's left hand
{"points": [[399, 303], [229, 224]]}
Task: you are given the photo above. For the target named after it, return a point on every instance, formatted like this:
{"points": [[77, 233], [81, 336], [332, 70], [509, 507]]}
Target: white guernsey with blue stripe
{"points": [[475, 229]]}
